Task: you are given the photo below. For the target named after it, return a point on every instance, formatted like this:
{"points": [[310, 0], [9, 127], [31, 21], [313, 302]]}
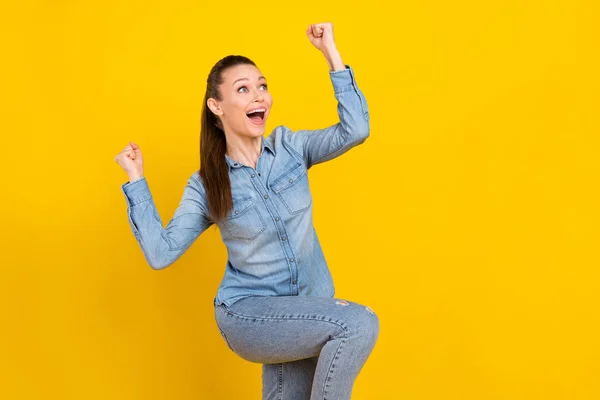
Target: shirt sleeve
{"points": [[353, 128], [162, 246]]}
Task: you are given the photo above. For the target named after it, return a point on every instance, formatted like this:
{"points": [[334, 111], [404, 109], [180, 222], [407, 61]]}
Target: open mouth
{"points": [[257, 116]]}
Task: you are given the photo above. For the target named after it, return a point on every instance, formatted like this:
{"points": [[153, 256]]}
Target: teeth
{"points": [[257, 110]]}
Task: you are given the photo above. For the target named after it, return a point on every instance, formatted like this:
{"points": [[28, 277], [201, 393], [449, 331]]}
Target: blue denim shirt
{"points": [[272, 246]]}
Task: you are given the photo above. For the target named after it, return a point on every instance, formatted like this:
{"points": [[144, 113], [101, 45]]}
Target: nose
{"points": [[258, 96]]}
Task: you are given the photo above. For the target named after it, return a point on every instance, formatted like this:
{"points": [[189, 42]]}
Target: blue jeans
{"points": [[310, 347]]}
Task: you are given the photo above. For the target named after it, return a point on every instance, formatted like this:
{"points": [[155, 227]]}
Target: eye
{"points": [[244, 87]]}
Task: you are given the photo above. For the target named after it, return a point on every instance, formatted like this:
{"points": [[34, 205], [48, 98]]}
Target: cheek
{"points": [[269, 99], [235, 109]]}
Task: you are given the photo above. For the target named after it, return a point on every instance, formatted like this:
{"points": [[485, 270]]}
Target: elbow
{"points": [[359, 136], [356, 127], [360, 139], [161, 257], [364, 129], [368, 125], [363, 133], [157, 265]]}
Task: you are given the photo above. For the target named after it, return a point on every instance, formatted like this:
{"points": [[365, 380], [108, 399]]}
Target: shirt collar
{"points": [[265, 143]]}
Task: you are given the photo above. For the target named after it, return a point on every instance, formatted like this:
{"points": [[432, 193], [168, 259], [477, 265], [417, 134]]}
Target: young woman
{"points": [[275, 304]]}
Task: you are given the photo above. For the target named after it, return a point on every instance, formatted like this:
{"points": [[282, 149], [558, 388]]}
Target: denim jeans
{"points": [[311, 347]]}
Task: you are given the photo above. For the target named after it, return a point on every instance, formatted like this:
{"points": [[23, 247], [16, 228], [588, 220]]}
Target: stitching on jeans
{"points": [[280, 381], [343, 326], [331, 367]]}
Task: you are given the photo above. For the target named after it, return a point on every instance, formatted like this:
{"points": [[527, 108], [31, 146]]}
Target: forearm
{"points": [[162, 246], [146, 224], [352, 106], [334, 59]]}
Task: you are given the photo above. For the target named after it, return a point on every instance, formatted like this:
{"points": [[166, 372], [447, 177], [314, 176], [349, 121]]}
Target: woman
{"points": [[275, 304]]}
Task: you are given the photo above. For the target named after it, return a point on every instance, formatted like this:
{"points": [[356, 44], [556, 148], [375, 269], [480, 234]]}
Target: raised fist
{"points": [[130, 159], [321, 36]]}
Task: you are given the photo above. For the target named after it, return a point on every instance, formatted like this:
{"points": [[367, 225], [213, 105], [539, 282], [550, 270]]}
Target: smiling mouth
{"points": [[257, 117]]}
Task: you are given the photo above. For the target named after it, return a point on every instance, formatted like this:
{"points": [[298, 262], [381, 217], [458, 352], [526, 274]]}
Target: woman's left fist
{"points": [[321, 36]]}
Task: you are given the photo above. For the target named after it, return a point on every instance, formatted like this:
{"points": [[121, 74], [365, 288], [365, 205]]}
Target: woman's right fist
{"points": [[130, 159]]}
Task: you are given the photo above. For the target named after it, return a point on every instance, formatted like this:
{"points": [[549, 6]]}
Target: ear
{"points": [[214, 106]]}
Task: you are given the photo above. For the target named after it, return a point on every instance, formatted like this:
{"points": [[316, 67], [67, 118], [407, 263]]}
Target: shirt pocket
{"points": [[244, 220], [293, 189]]}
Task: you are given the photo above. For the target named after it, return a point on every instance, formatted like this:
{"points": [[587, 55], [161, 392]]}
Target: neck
{"points": [[244, 150]]}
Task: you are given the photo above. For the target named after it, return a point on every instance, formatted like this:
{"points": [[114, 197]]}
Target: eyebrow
{"points": [[242, 79]]}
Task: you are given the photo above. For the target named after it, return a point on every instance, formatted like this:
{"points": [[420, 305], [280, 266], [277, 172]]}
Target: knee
{"points": [[365, 325], [372, 326]]}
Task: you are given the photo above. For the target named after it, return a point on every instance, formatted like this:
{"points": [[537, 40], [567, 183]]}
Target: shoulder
{"points": [[196, 183], [282, 137], [278, 134], [196, 192], [196, 180]]}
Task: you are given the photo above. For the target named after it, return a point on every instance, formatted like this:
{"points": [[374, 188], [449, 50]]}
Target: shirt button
{"points": [[266, 196], [252, 175], [293, 282], [236, 211], [259, 174], [283, 238], [292, 259], [276, 218], [291, 180], [236, 164]]}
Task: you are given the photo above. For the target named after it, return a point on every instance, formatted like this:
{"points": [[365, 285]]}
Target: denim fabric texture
{"points": [[310, 347], [275, 304], [272, 246]]}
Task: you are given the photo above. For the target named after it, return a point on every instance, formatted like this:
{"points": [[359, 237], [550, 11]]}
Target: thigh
{"points": [[276, 329]]}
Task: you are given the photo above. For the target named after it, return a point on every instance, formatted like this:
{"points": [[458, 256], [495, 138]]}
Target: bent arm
{"points": [[353, 128], [162, 246]]}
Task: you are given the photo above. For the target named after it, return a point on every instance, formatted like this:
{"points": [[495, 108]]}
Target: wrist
{"points": [[135, 177], [329, 49]]}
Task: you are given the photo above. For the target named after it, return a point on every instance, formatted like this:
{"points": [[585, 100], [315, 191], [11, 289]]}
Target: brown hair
{"points": [[213, 166]]}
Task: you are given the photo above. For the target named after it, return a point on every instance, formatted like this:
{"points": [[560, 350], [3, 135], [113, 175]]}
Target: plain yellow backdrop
{"points": [[468, 220]]}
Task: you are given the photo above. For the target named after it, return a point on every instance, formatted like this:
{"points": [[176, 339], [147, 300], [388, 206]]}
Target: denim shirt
{"points": [[272, 246]]}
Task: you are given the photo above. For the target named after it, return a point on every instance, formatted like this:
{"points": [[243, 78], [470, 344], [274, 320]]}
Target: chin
{"points": [[256, 130], [253, 132]]}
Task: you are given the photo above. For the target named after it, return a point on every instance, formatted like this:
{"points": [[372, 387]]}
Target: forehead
{"points": [[241, 71]]}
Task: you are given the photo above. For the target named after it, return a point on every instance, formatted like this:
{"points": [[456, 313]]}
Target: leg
{"points": [[281, 329], [290, 381]]}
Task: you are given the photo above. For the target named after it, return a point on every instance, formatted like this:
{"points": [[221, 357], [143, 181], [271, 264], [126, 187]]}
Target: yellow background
{"points": [[468, 220]]}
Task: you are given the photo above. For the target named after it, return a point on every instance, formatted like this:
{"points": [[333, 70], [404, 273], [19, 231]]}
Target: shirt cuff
{"points": [[137, 191], [342, 80]]}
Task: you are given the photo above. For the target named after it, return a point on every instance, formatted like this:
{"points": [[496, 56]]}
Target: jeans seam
{"points": [[331, 367], [280, 381], [223, 334], [341, 325]]}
